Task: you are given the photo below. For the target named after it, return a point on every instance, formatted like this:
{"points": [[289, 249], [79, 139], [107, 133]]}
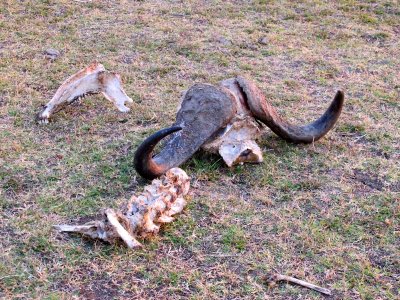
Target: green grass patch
{"points": [[234, 237]]}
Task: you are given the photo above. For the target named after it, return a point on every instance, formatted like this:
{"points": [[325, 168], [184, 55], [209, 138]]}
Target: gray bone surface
{"points": [[205, 109]]}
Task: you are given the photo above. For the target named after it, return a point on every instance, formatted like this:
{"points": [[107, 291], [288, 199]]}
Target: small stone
{"points": [[263, 40], [126, 59], [252, 47], [224, 41], [51, 53]]}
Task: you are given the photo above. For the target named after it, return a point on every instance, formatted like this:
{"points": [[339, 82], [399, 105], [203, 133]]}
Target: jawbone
{"points": [[93, 79]]}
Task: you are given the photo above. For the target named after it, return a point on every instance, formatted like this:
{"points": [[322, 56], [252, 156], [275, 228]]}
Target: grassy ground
{"points": [[327, 213]]}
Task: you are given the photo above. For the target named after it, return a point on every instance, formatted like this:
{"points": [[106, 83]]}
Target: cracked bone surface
{"points": [[237, 142], [143, 215], [93, 79], [225, 119]]}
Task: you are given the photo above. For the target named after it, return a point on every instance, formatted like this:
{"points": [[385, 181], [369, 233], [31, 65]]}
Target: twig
{"points": [[359, 138], [272, 280], [222, 255]]}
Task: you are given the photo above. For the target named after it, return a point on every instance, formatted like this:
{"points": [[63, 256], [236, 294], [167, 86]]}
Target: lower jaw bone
{"points": [[93, 79], [143, 215]]}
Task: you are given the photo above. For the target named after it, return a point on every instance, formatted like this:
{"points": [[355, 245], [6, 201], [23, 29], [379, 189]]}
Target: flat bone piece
{"points": [[93, 79]]}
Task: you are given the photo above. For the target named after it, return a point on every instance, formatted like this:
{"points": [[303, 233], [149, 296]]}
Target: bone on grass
{"points": [[93, 79], [143, 215], [273, 279], [226, 119]]}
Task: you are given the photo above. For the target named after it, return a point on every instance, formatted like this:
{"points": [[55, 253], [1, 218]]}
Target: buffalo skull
{"points": [[225, 119]]}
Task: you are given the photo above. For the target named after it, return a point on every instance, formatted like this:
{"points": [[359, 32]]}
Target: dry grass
{"points": [[327, 213]]}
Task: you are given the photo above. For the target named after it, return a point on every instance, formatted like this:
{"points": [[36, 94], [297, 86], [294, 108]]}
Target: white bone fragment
{"points": [[165, 219], [90, 80], [273, 279]]}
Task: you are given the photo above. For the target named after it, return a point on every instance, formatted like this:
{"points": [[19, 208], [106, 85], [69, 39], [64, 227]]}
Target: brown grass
{"points": [[327, 213]]}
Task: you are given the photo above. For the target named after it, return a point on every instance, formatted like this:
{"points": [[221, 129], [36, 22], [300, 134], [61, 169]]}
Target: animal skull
{"points": [[93, 79], [224, 119]]}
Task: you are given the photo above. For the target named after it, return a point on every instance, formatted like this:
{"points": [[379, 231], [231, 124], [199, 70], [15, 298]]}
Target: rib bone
{"points": [[273, 279]]}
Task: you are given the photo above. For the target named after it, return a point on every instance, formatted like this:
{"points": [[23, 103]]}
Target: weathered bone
{"points": [[204, 111], [143, 215], [272, 280], [225, 119], [93, 79], [236, 144]]}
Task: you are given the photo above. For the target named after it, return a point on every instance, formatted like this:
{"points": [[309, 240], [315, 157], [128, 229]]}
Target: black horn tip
{"points": [[143, 161], [336, 105], [339, 97]]}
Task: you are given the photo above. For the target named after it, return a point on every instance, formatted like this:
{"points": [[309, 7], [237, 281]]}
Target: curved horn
{"points": [[205, 109], [264, 111], [143, 161]]}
